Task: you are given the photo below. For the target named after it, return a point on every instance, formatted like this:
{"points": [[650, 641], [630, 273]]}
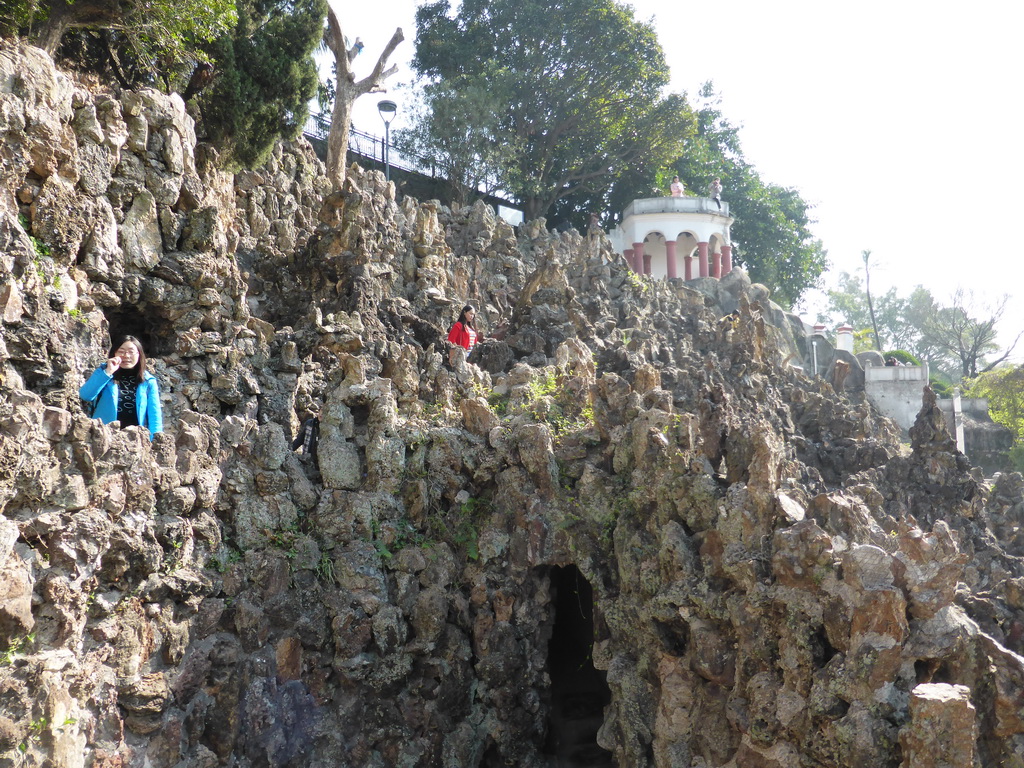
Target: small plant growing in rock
{"points": [[466, 533], [637, 282], [564, 424], [221, 562], [498, 403], [325, 569], [35, 731], [42, 250], [400, 534], [468, 537], [16, 648], [543, 386]]}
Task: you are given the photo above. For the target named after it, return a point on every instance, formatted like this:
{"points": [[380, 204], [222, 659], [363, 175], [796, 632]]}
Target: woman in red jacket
{"points": [[464, 333]]}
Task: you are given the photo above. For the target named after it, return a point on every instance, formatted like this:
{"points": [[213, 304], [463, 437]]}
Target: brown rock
{"points": [[803, 554], [11, 305], [942, 728], [478, 417], [289, 658]]}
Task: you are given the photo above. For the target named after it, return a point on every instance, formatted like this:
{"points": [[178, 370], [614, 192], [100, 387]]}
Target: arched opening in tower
{"points": [[579, 692]]}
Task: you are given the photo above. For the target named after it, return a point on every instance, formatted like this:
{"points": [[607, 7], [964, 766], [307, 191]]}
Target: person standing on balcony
{"points": [[676, 187], [715, 190]]}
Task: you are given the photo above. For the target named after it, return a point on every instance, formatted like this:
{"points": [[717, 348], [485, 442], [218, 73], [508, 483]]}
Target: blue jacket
{"points": [[147, 399]]}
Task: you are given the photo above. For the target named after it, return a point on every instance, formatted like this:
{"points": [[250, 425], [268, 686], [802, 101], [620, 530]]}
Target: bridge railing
{"points": [[371, 147]]}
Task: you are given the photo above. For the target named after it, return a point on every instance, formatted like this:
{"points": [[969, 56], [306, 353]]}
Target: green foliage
{"points": [[1004, 390], [847, 303], [254, 57], [544, 385], [956, 339], [265, 77], [565, 424], [637, 282], [221, 562], [42, 249], [1017, 457], [569, 93], [16, 647], [16, 15], [157, 34], [456, 123], [863, 340], [466, 533], [1003, 387], [959, 335], [902, 356], [771, 236], [460, 526], [941, 386], [35, 732], [390, 538], [550, 403], [498, 403], [325, 569]]}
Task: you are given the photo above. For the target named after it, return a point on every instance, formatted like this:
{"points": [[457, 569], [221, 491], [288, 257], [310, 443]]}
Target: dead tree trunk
{"points": [[348, 90]]}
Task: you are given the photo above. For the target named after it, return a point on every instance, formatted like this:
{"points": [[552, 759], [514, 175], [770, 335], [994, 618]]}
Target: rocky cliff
{"points": [[629, 536]]}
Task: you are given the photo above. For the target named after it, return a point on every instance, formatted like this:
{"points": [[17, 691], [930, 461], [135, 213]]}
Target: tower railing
{"points": [[675, 205]]}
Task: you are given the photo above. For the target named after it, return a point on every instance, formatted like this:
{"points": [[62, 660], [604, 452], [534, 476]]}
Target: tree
{"points": [[848, 304], [640, 177], [347, 89], [954, 333], [866, 255], [577, 90], [771, 236], [248, 66], [153, 27], [467, 157], [1003, 387], [263, 77], [951, 338]]}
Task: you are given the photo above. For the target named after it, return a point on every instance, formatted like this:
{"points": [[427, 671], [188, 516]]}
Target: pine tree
{"points": [[264, 77]]}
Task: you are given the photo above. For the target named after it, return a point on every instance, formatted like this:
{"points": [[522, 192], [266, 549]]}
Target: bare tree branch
{"points": [[1009, 351], [348, 90]]}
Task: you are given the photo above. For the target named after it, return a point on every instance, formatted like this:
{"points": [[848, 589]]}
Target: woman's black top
{"points": [[127, 386]]}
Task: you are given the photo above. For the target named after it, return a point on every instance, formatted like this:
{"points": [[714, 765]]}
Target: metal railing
{"points": [[371, 147], [675, 205]]}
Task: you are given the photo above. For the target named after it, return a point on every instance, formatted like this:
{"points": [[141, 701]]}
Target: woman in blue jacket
{"points": [[122, 390]]}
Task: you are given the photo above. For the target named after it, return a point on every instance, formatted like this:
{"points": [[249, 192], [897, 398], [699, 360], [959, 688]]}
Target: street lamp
{"points": [[387, 111]]}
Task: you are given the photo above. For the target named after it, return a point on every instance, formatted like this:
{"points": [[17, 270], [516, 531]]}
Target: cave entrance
{"points": [[579, 692], [151, 329]]}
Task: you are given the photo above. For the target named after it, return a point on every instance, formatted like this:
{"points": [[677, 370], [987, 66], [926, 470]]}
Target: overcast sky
{"points": [[901, 121]]}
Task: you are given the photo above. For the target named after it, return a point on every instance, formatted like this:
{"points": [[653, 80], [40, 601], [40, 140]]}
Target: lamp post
{"points": [[387, 110]]}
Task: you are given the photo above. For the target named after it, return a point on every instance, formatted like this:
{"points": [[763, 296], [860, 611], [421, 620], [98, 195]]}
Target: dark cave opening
{"points": [[579, 692], [152, 330]]}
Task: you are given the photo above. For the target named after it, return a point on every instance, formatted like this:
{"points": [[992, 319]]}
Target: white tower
{"points": [[657, 233]]}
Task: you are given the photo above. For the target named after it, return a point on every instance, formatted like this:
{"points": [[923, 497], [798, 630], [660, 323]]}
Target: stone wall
{"points": [[775, 580], [896, 391]]}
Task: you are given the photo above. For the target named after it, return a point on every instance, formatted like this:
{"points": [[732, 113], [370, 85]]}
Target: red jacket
{"points": [[459, 334]]}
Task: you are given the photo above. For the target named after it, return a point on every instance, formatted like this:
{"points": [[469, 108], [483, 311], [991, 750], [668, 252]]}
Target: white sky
{"points": [[896, 119]]}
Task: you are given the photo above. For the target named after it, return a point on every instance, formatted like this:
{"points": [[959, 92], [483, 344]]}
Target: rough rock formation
{"points": [[628, 536]]}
